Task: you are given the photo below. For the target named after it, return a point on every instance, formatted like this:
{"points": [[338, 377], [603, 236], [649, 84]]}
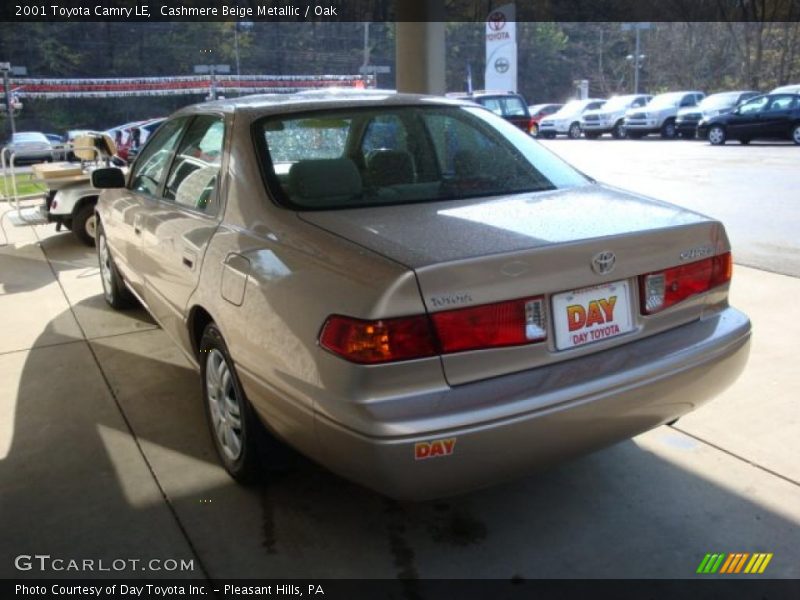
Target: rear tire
{"points": [[796, 134], [717, 135], [84, 224], [242, 443], [574, 131], [668, 131], [115, 292], [618, 132]]}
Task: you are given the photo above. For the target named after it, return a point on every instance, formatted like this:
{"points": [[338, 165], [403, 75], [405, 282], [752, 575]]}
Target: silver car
{"points": [[412, 291], [29, 146]]}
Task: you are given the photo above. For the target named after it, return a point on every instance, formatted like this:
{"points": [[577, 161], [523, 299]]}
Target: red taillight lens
{"points": [[531, 125], [492, 325], [373, 342], [665, 288], [509, 323]]}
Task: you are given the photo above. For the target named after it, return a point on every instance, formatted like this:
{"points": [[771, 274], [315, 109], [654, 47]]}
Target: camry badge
{"points": [[604, 262]]}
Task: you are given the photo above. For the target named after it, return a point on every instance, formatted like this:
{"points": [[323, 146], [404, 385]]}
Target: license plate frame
{"points": [[592, 314]]}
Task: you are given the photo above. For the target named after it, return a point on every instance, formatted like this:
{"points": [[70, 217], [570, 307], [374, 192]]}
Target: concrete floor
{"points": [[104, 453]]}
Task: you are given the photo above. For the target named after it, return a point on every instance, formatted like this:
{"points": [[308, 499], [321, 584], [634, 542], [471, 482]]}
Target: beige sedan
{"points": [[410, 290]]}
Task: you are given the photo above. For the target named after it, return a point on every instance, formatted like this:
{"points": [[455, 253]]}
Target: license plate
{"points": [[592, 314]]}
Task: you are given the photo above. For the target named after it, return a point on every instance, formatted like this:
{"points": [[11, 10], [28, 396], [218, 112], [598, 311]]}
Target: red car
{"points": [[540, 111]]}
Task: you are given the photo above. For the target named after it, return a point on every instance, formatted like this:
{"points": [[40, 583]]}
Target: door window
{"points": [[781, 103], [192, 180], [148, 171], [754, 106]]}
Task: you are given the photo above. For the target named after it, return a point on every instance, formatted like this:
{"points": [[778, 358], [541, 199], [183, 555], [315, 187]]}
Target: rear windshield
{"points": [[396, 155], [505, 106]]}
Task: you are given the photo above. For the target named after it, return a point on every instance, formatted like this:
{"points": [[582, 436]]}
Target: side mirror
{"points": [[108, 178]]}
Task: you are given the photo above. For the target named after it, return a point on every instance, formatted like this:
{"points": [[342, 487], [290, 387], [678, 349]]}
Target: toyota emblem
{"points": [[604, 262], [497, 20], [501, 65]]}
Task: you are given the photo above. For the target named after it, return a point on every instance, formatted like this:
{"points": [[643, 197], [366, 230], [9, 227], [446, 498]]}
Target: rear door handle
{"points": [[188, 259]]}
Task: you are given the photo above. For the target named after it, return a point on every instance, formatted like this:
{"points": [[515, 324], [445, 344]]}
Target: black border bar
{"points": [[517, 588], [397, 10]]}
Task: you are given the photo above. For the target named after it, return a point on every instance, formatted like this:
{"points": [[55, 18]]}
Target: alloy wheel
{"points": [[224, 405]]}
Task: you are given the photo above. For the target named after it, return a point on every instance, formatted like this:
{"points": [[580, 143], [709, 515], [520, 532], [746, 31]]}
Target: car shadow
{"points": [[109, 452]]}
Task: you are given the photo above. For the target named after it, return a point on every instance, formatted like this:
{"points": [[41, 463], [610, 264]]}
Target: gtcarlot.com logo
{"points": [[45, 562], [731, 563]]}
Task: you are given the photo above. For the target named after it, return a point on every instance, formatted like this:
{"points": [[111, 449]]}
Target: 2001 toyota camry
{"points": [[412, 291]]}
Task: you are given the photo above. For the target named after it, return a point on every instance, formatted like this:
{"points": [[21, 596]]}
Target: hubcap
{"points": [[226, 418], [715, 136], [91, 227], [105, 265], [796, 135], [574, 131]]}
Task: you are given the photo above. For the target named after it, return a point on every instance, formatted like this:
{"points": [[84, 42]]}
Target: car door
{"points": [[176, 231], [123, 222], [777, 118], [745, 121]]}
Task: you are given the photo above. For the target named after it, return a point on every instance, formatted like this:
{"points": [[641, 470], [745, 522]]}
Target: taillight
{"points": [[385, 340], [510, 323], [492, 325], [663, 289], [531, 125]]}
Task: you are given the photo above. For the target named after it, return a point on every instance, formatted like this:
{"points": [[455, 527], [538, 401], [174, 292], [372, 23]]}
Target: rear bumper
{"points": [[566, 409]]}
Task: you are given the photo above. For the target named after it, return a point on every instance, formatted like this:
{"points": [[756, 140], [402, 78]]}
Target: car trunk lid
{"points": [[475, 252]]}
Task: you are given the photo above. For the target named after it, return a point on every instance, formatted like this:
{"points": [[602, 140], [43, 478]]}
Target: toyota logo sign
{"points": [[604, 262], [497, 21], [501, 65]]}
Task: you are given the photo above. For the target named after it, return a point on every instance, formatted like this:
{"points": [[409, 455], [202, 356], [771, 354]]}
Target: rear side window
{"points": [[345, 158]]}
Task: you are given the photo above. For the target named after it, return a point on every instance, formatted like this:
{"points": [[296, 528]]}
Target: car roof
{"points": [[280, 103]]}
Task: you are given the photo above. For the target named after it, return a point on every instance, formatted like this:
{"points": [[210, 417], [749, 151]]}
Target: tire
{"points": [[591, 136], [717, 135], [115, 292], [241, 441], [668, 131], [574, 131], [618, 132], [796, 134], [84, 223]]}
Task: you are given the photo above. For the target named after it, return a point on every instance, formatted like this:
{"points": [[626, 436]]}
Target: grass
{"points": [[26, 184]]}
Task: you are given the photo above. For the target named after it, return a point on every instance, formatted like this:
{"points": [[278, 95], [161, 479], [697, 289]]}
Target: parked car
{"points": [[711, 106], [611, 117], [425, 318], [787, 89], [29, 146], [567, 121], [57, 144], [540, 111], [509, 105], [658, 116], [134, 135], [772, 116]]}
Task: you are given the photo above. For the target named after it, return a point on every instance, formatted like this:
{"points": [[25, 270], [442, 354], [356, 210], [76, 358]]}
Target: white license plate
{"points": [[592, 314]]}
